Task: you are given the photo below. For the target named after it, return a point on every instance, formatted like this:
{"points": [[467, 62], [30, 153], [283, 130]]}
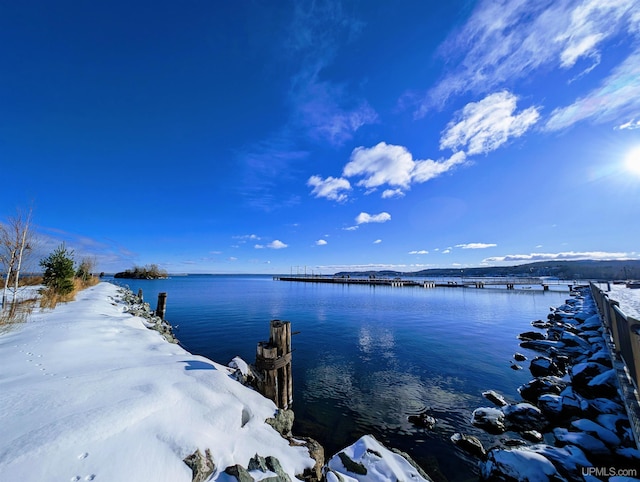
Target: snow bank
{"points": [[87, 392]]}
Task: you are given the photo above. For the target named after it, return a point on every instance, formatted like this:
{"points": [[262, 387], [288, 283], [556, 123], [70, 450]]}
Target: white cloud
{"points": [[388, 164], [421, 251], [232, 258], [446, 251], [484, 126], [330, 188], [505, 40], [276, 244], [364, 218], [391, 193], [351, 228], [568, 255], [377, 241], [618, 97], [321, 242], [476, 245], [247, 237]]}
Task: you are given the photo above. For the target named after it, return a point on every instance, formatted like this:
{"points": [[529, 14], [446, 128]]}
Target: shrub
{"points": [[58, 271]]}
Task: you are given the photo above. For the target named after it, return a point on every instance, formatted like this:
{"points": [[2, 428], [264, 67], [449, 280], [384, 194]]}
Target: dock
{"points": [[508, 283]]}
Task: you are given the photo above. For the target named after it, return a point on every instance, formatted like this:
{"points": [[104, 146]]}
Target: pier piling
{"points": [[162, 305], [273, 363]]}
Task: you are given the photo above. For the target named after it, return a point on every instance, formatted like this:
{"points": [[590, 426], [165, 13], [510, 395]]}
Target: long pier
{"points": [[509, 283]]}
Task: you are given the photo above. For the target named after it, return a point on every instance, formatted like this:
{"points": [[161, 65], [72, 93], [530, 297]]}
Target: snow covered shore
{"points": [[88, 392]]}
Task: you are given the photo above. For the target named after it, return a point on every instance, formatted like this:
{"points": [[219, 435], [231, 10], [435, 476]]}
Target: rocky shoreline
{"points": [[571, 424]]}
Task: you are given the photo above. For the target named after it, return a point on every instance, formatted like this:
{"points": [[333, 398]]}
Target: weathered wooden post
{"points": [[140, 295], [273, 363], [162, 305]]}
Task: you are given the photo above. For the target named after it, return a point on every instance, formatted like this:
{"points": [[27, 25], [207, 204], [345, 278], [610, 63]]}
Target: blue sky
{"points": [[271, 137]]}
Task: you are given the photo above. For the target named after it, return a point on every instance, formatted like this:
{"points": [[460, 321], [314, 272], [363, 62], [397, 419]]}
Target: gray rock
{"points": [[351, 465], [519, 464], [521, 417], [316, 452], [597, 430], [282, 422], [569, 460], [201, 466], [239, 472], [495, 397], [587, 443], [542, 366], [532, 390]]}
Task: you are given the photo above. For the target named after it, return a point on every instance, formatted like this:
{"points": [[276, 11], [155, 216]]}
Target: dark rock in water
{"points": [[515, 366], [423, 420], [519, 464], [587, 443], [531, 335], [546, 346], [495, 397], [469, 444], [519, 357], [513, 442], [569, 460], [543, 366], [201, 466], [541, 324], [532, 390], [521, 417], [492, 420], [532, 435]]}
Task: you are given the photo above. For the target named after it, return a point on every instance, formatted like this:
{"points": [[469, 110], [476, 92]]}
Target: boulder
{"points": [[532, 390], [597, 430], [239, 472], [604, 385], [542, 366], [569, 460], [492, 420], [519, 357], [469, 444], [582, 373], [589, 444], [521, 417], [422, 420], [282, 422], [495, 397], [519, 464], [531, 335]]}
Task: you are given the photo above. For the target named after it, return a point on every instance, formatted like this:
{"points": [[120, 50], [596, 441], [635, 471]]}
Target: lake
{"points": [[367, 357]]}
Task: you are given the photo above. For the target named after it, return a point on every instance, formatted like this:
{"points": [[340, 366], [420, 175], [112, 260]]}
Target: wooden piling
{"points": [[162, 305], [273, 363], [140, 295]]}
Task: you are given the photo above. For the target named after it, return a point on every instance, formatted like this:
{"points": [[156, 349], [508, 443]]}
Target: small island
{"points": [[149, 271]]}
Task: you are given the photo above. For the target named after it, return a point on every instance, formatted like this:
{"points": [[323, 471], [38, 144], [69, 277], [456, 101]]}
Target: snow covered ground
{"points": [[628, 298], [88, 393]]}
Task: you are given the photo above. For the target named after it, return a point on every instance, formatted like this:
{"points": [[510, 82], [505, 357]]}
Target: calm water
{"points": [[367, 357]]}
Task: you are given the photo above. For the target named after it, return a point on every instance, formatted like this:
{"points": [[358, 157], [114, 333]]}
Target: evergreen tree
{"points": [[58, 270]]}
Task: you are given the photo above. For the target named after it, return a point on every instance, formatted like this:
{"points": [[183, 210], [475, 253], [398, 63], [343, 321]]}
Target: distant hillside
{"points": [[584, 269]]}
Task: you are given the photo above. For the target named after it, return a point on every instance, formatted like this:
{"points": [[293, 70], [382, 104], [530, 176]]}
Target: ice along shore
{"points": [[88, 392]]}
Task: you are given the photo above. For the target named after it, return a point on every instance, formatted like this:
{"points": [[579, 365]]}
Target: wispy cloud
{"points": [[506, 40], [476, 245], [568, 255], [330, 188], [321, 242], [364, 218], [618, 97], [377, 241], [484, 126], [421, 251]]}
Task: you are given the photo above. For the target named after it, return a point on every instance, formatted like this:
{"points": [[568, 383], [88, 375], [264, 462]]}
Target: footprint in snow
{"points": [[90, 477], [75, 479], [83, 455]]}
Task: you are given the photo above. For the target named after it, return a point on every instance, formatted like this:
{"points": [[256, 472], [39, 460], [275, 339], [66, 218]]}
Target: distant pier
{"points": [[508, 283]]}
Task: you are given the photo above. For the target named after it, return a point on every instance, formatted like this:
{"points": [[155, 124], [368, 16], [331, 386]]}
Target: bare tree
{"points": [[15, 237]]}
